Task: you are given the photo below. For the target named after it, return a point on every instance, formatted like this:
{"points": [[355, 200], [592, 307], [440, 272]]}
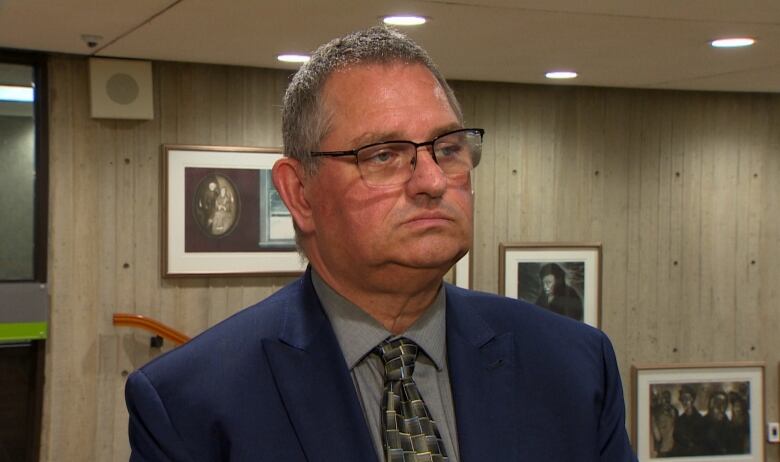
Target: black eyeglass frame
{"points": [[417, 146]]}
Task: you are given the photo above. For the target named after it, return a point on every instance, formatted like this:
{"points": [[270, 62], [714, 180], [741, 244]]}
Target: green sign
{"points": [[20, 331]]}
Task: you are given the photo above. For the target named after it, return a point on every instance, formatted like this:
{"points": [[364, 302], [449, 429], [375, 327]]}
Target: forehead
{"points": [[384, 96], [371, 77]]}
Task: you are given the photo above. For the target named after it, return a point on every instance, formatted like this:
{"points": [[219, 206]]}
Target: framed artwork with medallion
{"points": [[222, 215]]}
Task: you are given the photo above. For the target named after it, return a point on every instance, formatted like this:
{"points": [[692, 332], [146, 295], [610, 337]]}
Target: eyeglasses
{"points": [[391, 163]]}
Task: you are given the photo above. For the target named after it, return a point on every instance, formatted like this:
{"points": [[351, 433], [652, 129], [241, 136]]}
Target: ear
{"points": [[290, 181]]}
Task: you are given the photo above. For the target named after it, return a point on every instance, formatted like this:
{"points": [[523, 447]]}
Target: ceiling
{"points": [[615, 43]]}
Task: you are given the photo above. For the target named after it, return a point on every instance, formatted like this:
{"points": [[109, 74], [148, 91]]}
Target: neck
{"points": [[396, 303], [397, 312]]}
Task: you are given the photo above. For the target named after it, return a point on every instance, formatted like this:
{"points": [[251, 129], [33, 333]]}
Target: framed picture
{"points": [[564, 278], [222, 215], [463, 272], [698, 412]]}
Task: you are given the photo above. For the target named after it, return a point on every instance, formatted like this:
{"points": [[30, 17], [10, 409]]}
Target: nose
{"points": [[427, 177]]}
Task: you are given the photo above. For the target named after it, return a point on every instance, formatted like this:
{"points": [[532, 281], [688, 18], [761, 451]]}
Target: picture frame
{"points": [[562, 277], [462, 272], [698, 412], [222, 216]]}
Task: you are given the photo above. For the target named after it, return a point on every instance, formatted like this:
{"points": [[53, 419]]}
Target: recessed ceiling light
{"points": [[293, 58], [733, 42], [561, 75], [16, 94], [404, 20]]}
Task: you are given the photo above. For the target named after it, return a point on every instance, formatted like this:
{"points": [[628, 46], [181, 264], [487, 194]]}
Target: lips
{"points": [[432, 216], [423, 217]]}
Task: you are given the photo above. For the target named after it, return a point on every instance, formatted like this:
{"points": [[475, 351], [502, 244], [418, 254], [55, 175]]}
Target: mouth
{"points": [[429, 218]]}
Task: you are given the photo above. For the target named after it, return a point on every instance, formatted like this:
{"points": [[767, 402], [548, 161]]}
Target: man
{"points": [[557, 296], [739, 426], [368, 356], [689, 428], [716, 436]]}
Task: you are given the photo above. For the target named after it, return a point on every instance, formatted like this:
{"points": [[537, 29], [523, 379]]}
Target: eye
{"points": [[449, 149], [380, 155]]}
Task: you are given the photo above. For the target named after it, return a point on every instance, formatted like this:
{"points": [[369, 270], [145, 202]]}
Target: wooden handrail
{"points": [[152, 325]]}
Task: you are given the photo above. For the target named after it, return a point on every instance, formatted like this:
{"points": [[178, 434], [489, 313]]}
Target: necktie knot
{"points": [[399, 356]]}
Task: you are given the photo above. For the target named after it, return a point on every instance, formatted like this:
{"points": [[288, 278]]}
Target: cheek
{"points": [[460, 198], [373, 218], [465, 199], [359, 214]]}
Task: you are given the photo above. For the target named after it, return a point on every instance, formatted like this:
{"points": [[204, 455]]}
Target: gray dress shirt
{"points": [[358, 334]]}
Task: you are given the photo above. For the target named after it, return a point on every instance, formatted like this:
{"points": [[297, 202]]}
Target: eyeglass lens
{"points": [[390, 164]]}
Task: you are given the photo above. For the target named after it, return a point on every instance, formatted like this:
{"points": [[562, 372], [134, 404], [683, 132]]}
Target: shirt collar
{"points": [[358, 333]]}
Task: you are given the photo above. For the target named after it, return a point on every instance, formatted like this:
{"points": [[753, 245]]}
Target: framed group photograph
{"points": [[222, 214], [562, 277], [698, 412]]}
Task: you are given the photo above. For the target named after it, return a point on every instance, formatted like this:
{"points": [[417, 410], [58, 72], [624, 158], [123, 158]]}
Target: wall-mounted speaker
{"points": [[121, 89]]}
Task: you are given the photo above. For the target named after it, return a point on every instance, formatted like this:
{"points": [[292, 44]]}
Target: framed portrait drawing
{"points": [[222, 215], [698, 412], [561, 277]]}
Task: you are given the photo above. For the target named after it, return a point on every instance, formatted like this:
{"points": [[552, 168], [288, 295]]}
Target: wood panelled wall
{"points": [[105, 238], [682, 189]]}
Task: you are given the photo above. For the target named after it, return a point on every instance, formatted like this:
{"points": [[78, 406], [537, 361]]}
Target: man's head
{"points": [[739, 411], [306, 120], [716, 408], [687, 397], [371, 87], [553, 279]]}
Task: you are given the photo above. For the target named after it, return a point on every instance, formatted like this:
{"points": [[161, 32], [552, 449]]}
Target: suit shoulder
{"points": [[567, 350], [232, 339], [504, 314]]}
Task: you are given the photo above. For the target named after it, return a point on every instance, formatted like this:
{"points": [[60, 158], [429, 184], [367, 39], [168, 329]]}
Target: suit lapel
{"points": [[315, 384], [483, 375]]}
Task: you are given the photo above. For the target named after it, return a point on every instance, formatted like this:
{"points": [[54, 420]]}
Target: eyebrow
{"points": [[371, 138]]}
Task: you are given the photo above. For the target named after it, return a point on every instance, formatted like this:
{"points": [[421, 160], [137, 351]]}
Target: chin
{"points": [[432, 264], [433, 258]]}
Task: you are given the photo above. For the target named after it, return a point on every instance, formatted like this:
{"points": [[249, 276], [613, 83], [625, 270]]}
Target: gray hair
{"points": [[305, 120]]}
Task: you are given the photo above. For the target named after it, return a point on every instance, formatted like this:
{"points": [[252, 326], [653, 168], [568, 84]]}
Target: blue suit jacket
{"points": [[271, 384]]}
